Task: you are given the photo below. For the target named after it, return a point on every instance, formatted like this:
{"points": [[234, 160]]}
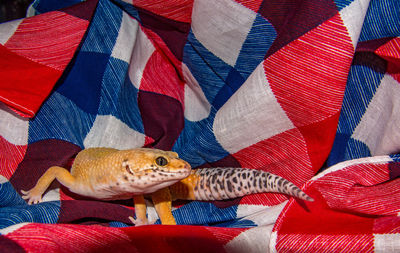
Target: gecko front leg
{"points": [[162, 202], [63, 176], [140, 211]]}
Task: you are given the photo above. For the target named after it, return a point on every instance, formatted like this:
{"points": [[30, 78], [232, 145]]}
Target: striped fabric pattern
{"points": [[304, 89]]}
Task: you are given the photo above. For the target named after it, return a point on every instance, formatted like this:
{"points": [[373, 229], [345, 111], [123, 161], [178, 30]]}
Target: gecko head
{"points": [[149, 170]]}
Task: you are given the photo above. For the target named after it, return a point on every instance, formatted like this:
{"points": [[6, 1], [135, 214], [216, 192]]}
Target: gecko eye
{"points": [[161, 161]]}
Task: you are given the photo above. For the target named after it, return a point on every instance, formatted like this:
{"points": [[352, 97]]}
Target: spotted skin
{"points": [[225, 183]]}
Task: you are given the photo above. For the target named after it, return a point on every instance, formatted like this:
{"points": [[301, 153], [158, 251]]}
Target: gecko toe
{"points": [[138, 222]]}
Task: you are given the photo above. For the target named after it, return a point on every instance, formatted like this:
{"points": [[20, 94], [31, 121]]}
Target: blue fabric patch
{"points": [[60, 118], [382, 20], [233, 83], [104, 28], [209, 71], [128, 8], [197, 144], [346, 148], [46, 212], [203, 213], [255, 47], [128, 111], [119, 95], [361, 87], [9, 197], [239, 223], [340, 4], [83, 83], [112, 83], [14, 210]]}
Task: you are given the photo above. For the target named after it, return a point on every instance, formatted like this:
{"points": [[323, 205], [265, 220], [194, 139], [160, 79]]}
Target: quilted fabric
{"points": [[306, 89]]}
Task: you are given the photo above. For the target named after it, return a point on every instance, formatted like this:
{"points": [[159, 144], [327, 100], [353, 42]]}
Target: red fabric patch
{"points": [[50, 39], [350, 205], [164, 50], [319, 138], [24, 84], [253, 5], [387, 225], [71, 238], [9, 163], [168, 35], [75, 210], [325, 243], [159, 76], [285, 155], [161, 238], [317, 218], [308, 76], [363, 189], [391, 52], [176, 10]]}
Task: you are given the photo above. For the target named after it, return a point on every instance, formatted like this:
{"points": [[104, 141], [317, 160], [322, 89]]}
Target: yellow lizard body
{"points": [[111, 174]]}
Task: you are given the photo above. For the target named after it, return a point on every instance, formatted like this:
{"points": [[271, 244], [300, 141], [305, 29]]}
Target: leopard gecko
{"points": [[112, 174]]}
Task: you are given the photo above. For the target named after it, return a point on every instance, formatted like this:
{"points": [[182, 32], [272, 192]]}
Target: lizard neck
{"points": [[185, 188]]}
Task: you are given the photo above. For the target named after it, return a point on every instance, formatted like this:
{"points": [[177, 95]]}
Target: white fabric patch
{"points": [[349, 163], [245, 242], [53, 195], [353, 17], [197, 106], [8, 29], [108, 131], [260, 215], [141, 53], [12, 228], [251, 115], [222, 27], [387, 243], [3, 180], [126, 38], [379, 127], [13, 127]]}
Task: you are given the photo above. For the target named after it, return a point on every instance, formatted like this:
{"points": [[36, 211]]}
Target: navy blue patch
{"points": [[233, 83], [82, 85]]}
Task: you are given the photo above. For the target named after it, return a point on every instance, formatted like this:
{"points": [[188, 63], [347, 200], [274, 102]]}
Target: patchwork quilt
{"points": [[306, 89]]}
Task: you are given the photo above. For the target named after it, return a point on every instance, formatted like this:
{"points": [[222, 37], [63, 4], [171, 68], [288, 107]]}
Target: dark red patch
{"points": [[179, 238], [8, 245], [84, 211], [82, 10], [162, 117], [227, 161], [39, 157], [293, 18], [174, 33]]}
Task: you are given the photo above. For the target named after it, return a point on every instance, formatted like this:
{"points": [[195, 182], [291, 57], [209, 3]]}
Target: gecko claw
{"points": [[31, 197], [138, 222]]}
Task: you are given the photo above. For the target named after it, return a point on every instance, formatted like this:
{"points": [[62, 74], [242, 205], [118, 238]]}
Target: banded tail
{"points": [[226, 183]]}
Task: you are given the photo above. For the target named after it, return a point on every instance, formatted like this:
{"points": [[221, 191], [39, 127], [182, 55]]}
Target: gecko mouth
{"points": [[172, 175]]}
